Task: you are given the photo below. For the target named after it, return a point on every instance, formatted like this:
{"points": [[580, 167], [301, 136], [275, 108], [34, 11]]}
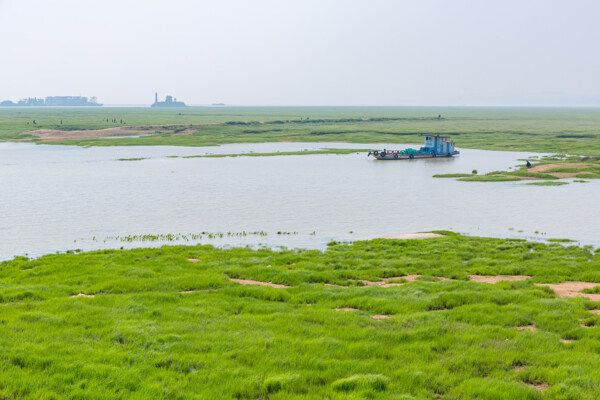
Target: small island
{"points": [[169, 102]]}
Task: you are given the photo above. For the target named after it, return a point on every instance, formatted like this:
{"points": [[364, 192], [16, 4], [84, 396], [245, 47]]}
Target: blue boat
{"points": [[435, 146]]}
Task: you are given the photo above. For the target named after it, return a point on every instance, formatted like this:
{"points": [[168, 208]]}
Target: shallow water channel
{"points": [[55, 198]]}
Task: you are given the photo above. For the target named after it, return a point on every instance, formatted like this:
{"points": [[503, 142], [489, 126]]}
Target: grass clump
{"points": [[361, 382], [133, 159], [451, 175], [285, 382], [490, 178], [547, 183], [283, 153]]}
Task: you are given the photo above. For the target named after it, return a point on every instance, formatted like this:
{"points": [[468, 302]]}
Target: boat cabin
{"points": [[438, 144]]}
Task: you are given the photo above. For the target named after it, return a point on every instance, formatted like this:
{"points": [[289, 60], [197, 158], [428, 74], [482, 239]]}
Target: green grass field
{"points": [[140, 337], [553, 130]]}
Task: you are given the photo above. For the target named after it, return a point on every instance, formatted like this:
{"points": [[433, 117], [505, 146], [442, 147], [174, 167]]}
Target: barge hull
{"points": [[395, 157]]}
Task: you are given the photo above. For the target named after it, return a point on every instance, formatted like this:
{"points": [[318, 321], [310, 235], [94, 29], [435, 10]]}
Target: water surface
{"points": [[55, 198]]}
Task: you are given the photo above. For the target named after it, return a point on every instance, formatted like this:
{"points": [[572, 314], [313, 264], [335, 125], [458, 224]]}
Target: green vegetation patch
{"points": [[168, 323], [133, 159], [547, 183], [284, 153], [451, 175], [490, 178]]}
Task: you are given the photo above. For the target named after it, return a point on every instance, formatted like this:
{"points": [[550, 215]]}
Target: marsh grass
{"points": [[489, 178], [161, 326], [547, 183], [572, 131], [285, 153]]}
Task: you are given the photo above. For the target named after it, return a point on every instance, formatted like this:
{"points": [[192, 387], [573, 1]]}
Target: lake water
{"points": [[55, 198]]}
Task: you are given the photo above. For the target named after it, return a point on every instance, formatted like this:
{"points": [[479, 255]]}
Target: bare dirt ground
{"points": [[50, 135], [497, 278], [573, 289], [349, 309], [425, 235], [251, 282], [83, 295], [531, 328], [541, 387], [546, 167], [389, 282], [194, 260], [380, 317]]}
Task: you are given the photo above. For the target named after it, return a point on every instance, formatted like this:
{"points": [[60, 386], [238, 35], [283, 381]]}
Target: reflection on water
{"points": [[54, 195]]}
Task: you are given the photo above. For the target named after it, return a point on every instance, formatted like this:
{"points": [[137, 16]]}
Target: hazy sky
{"points": [[303, 52]]}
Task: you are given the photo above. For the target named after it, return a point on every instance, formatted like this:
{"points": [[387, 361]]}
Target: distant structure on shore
{"points": [[169, 102], [53, 101]]}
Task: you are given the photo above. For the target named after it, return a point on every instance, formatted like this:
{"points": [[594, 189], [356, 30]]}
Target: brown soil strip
{"points": [[573, 289], [597, 312], [251, 282], [418, 236], [194, 260], [348, 309], [568, 174], [541, 387], [380, 317], [389, 282], [83, 295], [187, 291], [497, 278], [531, 328], [333, 285], [49, 135], [566, 340], [545, 167]]}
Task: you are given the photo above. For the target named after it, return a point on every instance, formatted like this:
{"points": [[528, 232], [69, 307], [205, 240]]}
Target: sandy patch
{"points": [[519, 368], [380, 317], [546, 167], [425, 235], [497, 278], [530, 328], [187, 291], [49, 135], [597, 312], [347, 309], [573, 289], [568, 174], [251, 282], [566, 340], [541, 387], [194, 260], [83, 295]]}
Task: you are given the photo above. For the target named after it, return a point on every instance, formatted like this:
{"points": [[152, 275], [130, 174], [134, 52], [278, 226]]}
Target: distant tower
{"points": [[156, 97]]}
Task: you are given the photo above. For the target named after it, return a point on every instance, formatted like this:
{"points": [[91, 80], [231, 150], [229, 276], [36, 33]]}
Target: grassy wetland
{"points": [[549, 130], [547, 171], [385, 319]]}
